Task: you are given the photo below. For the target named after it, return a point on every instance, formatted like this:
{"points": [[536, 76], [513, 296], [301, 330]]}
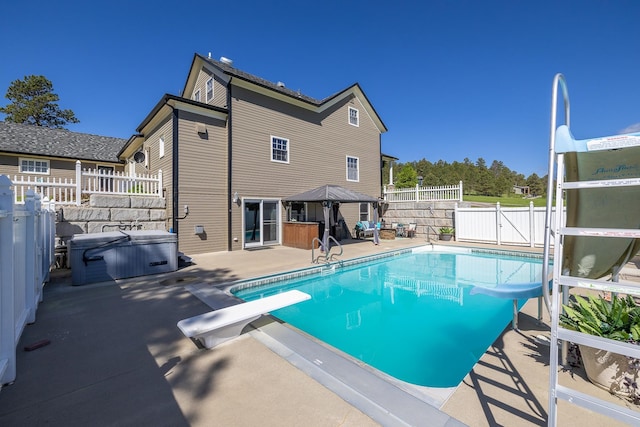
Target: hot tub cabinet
{"points": [[100, 257], [299, 234]]}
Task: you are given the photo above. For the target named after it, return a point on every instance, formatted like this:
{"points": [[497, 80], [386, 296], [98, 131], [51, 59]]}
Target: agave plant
{"points": [[618, 319]]}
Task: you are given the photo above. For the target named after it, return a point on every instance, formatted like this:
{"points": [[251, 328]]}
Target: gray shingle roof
{"points": [[236, 73], [232, 71], [37, 140]]}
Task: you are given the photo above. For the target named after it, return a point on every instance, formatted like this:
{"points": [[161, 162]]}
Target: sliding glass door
{"points": [[261, 222]]}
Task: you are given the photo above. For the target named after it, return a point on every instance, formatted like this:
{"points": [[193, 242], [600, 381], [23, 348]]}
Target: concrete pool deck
{"points": [[116, 357]]}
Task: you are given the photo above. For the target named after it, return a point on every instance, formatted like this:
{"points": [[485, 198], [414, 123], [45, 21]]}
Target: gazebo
{"points": [[329, 195]]}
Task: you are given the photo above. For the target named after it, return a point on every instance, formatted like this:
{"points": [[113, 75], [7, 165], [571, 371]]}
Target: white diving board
{"points": [[215, 327]]}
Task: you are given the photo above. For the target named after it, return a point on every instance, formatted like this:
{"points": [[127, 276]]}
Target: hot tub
{"points": [[100, 257]]}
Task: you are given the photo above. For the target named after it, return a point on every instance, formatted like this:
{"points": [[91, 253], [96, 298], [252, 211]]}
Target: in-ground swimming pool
{"points": [[417, 316]]}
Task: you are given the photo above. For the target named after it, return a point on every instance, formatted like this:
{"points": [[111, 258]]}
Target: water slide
{"points": [[603, 208]]}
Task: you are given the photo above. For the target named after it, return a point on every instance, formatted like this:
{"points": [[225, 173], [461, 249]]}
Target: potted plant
{"points": [[617, 319], [446, 233]]}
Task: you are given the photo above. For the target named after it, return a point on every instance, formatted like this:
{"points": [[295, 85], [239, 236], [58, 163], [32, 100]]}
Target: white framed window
{"points": [[353, 169], [279, 149], [146, 158], [161, 147], [35, 166], [196, 96], [354, 117], [210, 89]]}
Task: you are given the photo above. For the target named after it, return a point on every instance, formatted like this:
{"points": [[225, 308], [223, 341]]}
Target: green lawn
{"points": [[507, 201]]}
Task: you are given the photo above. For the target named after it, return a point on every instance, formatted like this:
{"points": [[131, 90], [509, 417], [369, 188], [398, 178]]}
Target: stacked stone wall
{"points": [[428, 216], [110, 213]]}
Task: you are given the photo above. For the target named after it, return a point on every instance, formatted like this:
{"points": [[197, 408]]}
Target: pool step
{"points": [[328, 270]]}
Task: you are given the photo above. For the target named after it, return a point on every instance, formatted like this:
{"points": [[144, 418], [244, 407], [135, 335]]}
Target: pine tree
{"points": [[34, 102]]}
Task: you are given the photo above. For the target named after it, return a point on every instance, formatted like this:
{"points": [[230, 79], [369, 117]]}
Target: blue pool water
{"points": [[413, 316]]}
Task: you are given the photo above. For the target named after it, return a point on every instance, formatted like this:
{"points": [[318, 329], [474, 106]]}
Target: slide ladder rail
{"points": [[562, 144]]}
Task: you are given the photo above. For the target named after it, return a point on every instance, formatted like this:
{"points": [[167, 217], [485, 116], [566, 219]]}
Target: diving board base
{"points": [[215, 327], [214, 338]]}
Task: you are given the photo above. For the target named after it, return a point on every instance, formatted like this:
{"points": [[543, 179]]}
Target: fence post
{"points": [[498, 225], [532, 226], [32, 268], [417, 192], [7, 295], [455, 223], [159, 182], [460, 192], [78, 182]]}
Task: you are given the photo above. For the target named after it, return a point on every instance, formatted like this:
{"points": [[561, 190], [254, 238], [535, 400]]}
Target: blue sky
{"points": [[450, 79]]}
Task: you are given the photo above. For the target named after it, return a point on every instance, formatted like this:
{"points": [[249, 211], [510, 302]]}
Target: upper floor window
{"points": [[196, 96], [279, 149], [38, 166], [353, 172], [354, 117], [161, 148], [210, 89]]}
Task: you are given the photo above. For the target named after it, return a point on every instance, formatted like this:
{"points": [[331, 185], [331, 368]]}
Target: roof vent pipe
{"points": [[280, 84], [226, 60]]}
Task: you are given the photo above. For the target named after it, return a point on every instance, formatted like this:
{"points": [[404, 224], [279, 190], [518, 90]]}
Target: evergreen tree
{"points": [[407, 177], [34, 102], [537, 187]]}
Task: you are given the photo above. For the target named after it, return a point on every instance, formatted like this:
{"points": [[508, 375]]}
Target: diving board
{"points": [[215, 327]]}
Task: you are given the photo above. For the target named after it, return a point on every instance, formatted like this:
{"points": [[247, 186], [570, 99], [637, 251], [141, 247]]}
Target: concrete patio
{"points": [[116, 357]]}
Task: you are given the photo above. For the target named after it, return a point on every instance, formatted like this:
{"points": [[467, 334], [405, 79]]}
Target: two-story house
{"points": [[235, 145]]}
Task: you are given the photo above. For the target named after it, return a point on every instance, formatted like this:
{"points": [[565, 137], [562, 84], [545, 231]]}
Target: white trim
{"points": [[207, 89], [261, 201], [161, 147], [288, 149], [357, 124], [34, 160], [357, 170]]}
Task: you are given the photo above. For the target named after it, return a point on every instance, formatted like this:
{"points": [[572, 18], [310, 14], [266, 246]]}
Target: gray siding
{"points": [[219, 89], [152, 146], [319, 144], [202, 168]]}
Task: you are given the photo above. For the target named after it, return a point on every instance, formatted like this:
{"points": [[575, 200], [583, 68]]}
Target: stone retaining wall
{"points": [[110, 213], [428, 216]]}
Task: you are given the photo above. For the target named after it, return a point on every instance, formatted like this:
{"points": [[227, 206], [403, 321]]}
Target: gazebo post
{"points": [[376, 232], [326, 208]]}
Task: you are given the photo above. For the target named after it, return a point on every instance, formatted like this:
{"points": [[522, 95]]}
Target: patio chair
{"points": [[410, 231], [365, 228]]}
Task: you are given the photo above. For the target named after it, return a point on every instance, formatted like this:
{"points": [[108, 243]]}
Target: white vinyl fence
{"points": [[423, 194], [27, 243], [88, 181], [498, 225]]}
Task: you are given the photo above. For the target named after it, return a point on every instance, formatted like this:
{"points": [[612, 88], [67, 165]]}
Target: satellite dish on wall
{"points": [[139, 157]]}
